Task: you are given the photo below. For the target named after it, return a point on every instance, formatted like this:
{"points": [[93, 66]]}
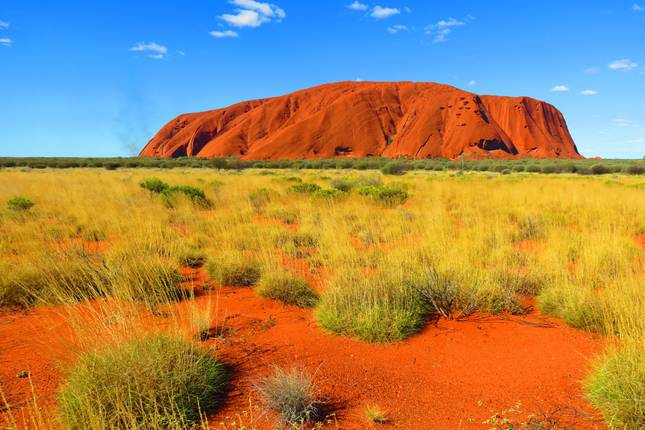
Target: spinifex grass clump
{"points": [[234, 269], [288, 288], [55, 278], [142, 274], [291, 394], [617, 386], [154, 382], [377, 308]]}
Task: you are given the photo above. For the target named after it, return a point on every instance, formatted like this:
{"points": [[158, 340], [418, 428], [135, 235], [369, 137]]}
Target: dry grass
{"points": [[454, 245]]}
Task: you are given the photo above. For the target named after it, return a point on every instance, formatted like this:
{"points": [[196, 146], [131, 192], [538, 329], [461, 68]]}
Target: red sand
{"points": [[359, 119], [453, 375]]}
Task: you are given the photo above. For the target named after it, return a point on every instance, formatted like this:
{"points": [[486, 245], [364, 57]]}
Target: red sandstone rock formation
{"points": [[360, 119]]}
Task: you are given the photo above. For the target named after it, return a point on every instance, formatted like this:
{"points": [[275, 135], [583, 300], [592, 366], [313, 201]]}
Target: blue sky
{"points": [[99, 78]]}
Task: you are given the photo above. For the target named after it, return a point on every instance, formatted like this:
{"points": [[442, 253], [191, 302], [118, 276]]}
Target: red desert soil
{"points": [[360, 119], [453, 375]]}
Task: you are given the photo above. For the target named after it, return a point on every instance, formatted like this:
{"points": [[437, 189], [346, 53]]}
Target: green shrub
{"points": [[157, 381], [394, 168], [234, 270], [599, 169], [342, 185], [304, 188], [384, 196], [292, 395], [19, 204], [154, 185], [635, 170], [288, 288], [617, 386]]}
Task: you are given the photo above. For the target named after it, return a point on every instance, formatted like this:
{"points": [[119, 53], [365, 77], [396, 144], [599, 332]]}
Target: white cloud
{"points": [[5, 41], [407, 9], [358, 80], [223, 34], [3, 25], [384, 12], [472, 83], [245, 18], [357, 6], [637, 8], [443, 28], [625, 65], [592, 70], [621, 122], [559, 89], [393, 29], [182, 53], [588, 93], [253, 14], [152, 50]]}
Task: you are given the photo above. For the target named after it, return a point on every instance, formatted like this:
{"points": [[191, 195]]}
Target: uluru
{"points": [[362, 119]]}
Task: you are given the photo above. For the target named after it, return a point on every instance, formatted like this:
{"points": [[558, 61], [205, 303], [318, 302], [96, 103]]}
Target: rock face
{"points": [[360, 119]]}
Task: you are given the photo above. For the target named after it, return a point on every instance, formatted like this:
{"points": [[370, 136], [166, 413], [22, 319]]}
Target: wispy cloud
{"points": [[357, 6], [152, 50], [5, 41], [588, 93], [559, 89], [384, 12], [472, 83], [623, 65], [3, 25], [442, 29], [621, 122], [592, 70], [637, 8], [251, 13], [394, 29], [223, 34]]}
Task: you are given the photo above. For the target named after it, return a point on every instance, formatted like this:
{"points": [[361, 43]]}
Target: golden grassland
{"points": [[387, 253]]}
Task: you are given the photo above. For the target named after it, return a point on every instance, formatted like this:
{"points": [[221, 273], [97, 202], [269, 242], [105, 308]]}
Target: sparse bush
{"points": [[342, 185], [193, 193], [394, 168], [154, 185], [157, 381], [599, 169], [288, 288], [384, 196], [292, 395], [304, 188], [447, 294], [19, 204], [635, 170], [234, 270]]}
